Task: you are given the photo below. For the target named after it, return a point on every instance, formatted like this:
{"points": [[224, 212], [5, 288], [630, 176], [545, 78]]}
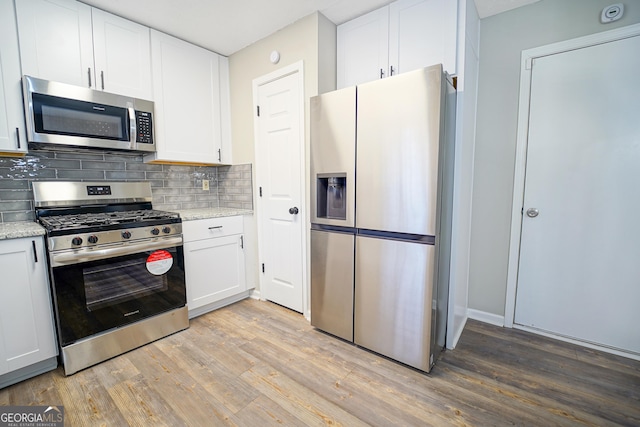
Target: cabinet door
{"points": [[363, 48], [56, 40], [186, 89], [122, 52], [26, 319], [422, 33], [12, 131], [214, 269]]}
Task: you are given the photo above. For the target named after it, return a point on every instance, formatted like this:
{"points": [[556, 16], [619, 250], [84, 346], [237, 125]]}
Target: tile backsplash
{"points": [[173, 186]]}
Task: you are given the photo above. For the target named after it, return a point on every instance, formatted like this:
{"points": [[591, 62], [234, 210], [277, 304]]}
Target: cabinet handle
{"points": [[241, 242], [381, 73], [18, 137], [216, 227], [35, 251], [392, 70], [219, 155], [102, 78], [89, 74]]}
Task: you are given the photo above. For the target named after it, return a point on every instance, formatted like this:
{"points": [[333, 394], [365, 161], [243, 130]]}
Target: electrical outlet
{"points": [[205, 184]]}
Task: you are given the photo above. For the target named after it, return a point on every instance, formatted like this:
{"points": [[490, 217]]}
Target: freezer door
{"points": [[398, 149], [333, 154], [332, 283], [394, 307]]}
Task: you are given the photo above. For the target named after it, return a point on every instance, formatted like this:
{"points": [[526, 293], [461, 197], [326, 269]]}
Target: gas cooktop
{"points": [[74, 222]]}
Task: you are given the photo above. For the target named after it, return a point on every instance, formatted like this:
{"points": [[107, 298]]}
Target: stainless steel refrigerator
{"points": [[382, 187]]}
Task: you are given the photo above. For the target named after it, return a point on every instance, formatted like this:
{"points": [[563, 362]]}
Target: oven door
{"points": [[99, 289]]}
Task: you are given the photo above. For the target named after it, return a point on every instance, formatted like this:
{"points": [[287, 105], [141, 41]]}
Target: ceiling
{"points": [[226, 26]]}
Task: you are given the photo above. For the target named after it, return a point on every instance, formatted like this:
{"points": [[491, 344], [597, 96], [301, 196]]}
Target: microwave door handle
{"points": [[133, 128]]}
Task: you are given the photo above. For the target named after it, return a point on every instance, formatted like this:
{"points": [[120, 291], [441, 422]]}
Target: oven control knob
{"points": [[76, 241], [155, 231], [166, 230], [126, 234], [93, 239]]}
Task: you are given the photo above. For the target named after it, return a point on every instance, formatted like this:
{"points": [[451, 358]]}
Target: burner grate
{"points": [[79, 221]]}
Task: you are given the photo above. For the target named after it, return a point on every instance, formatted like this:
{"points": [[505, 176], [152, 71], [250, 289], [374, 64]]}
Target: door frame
{"points": [[295, 68], [521, 155]]}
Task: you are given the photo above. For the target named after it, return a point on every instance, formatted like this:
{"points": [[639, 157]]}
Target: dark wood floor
{"points": [[256, 364]]}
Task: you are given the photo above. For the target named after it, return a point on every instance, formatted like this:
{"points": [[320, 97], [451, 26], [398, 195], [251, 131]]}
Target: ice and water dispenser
{"points": [[332, 195]]}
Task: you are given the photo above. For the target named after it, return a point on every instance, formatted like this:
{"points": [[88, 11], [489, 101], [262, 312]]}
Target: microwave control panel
{"points": [[145, 127]]}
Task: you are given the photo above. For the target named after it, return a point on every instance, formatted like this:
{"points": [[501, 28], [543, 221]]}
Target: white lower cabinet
{"points": [[214, 263], [27, 335]]}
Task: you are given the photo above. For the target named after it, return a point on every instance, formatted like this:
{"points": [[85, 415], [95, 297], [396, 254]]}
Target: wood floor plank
{"points": [[184, 393], [142, 405], [571, 380], [298, 400], [218, 381], [86, 402], [264, 412], [257, 363]]}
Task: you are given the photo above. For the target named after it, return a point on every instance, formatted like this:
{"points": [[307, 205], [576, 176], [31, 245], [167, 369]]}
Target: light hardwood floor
{"points": [[257, 364]]}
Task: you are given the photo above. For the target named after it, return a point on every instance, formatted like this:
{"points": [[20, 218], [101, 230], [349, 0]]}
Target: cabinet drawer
{"points": [[211, 228]]}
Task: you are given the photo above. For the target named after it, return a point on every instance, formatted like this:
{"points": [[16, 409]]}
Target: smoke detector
{"points": [[612, 13]]}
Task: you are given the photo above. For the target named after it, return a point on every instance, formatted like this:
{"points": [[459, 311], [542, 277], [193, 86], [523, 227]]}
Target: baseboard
{"points": [[255, 294], [605, 349], [28, 372], [485, 317], [218, 304]]}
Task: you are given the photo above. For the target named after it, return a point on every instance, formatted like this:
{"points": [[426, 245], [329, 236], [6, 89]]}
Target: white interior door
{"points": [[579, 271], [280, 177]]}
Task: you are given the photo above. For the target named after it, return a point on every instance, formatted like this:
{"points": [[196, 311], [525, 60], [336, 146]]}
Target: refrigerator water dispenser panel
{"points": [[331, 194]]}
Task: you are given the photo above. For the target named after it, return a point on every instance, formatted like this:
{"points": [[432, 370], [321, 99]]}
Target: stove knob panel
{"points": [[126, 234], [166, 230], [76, 241], [155, 231], [93, 239]]}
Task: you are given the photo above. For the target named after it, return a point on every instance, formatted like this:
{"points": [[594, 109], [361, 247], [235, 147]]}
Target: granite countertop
{"points": [[193, 214], [17, 230]]}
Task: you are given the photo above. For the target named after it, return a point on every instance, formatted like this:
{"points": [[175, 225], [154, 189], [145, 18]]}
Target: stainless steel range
{"points": [[116, 268]]}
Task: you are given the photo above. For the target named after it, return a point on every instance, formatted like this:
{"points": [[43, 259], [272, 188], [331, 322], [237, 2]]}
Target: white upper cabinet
{"points": [[59, 40], [188, 102], [404, 36], [122, 54], [422, 33], [363, 48], [13, 138]]}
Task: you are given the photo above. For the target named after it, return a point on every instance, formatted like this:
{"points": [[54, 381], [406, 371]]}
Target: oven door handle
{"points": [[85, 255]]}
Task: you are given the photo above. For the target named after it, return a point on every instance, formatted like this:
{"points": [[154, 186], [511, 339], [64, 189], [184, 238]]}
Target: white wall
{"points": [[502, 40], [468, 47], [312, 40]]}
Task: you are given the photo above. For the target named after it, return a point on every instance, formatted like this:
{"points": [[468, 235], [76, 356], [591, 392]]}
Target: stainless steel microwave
{"points": [[66, 115]]}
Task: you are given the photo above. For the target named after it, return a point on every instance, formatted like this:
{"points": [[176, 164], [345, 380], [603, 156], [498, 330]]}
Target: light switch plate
{"points": [[205, 184]]}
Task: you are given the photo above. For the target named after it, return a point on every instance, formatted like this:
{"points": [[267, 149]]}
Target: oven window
{"points": [[95, 296], [113, 283]]}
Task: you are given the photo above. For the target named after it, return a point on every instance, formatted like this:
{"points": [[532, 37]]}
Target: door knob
{"points": [[293, 210], [532, 212]]}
